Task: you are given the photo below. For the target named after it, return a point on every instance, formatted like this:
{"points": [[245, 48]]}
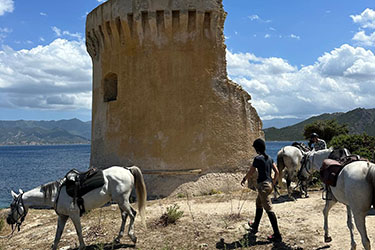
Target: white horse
{"points": [[354, 188], [288, 158], [118, 185], [314, 162]]}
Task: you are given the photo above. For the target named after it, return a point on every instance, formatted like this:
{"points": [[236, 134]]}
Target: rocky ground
{"points": [[212, 221]]}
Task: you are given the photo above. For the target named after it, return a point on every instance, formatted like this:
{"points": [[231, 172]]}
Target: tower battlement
{"points": [[162, 23]]}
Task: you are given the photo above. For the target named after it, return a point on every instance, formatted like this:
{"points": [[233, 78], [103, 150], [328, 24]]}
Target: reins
{"points": [[19, 221], [22, 215], [10, 235]]}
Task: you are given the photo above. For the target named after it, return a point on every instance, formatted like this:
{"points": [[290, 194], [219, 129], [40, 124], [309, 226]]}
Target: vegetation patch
{"points": [[172, 215]]}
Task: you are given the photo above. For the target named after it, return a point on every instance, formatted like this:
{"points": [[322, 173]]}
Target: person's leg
{"points": [[258, 216], [267, 205], [276, 233]]}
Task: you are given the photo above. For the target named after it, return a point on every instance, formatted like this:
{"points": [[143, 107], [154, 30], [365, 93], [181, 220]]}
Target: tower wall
{"points": [[161, 96]]}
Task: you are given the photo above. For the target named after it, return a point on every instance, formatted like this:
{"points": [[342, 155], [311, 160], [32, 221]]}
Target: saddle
{"points": [[80, 183], [301, 146], [331, 168]]}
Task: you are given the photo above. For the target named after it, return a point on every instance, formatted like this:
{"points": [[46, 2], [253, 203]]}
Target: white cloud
{"points": [[267, 36], [258, 18], [6, 6], [4, 32], [43, 14], [60, 33], [366, 19], [254, 17], [365, 40], [293, 36], [56, 76], [340, 80]]}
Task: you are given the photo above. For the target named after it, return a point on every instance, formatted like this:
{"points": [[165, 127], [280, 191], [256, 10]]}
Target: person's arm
{"points": [[275, 178], [248, 175], [325, 144]]}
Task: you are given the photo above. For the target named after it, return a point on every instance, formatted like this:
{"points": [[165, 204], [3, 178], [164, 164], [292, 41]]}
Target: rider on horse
{"points": [[317, 143]]}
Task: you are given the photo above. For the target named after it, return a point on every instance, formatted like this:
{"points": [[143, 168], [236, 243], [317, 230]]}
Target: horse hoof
{"points": [[117, 241], [134, 239], [307, 196], [327, 239]]}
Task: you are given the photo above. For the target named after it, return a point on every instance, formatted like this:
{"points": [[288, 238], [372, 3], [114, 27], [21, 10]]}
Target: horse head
{"points": [[18, 211]]}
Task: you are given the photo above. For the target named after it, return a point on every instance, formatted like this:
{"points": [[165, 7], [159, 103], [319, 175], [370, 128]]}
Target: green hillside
{"points": [[22, 132], [358, 120]]}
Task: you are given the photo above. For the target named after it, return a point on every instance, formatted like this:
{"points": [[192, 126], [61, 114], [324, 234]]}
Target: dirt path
{"points": [[209, 222]]}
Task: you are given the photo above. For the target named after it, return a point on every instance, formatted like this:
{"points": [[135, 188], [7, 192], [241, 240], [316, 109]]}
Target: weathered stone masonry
{"points": [[161, 96]]}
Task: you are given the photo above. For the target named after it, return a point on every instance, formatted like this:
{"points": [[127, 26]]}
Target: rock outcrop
{"points": [[161, 96]]}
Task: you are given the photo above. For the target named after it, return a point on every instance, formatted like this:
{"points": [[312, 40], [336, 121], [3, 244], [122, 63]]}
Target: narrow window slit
{"points": [[192, 17], [131, 22], [175, 20], [160, 21], [144, 21], [207, 21]]}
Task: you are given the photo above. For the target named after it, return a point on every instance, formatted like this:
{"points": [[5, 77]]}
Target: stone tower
{"points": [[161, 96]]}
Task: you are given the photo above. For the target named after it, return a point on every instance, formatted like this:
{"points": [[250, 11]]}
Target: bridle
{"points": [[304, 166], [16, 206]]}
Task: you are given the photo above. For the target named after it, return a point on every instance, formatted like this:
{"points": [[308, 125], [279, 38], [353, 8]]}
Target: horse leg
{"points": [[124, 216], [77, 224], [349, 222], [328, 206], [304, 189], [60, 228], [360, 222], [276, 193], [125, 206], [288, 182]]}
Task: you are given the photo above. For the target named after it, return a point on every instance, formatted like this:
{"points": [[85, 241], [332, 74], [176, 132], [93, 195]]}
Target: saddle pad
{"points": [[330, 171], [79, 189]]}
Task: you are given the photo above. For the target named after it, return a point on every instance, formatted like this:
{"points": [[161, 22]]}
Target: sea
{"points": [[26, 167]]}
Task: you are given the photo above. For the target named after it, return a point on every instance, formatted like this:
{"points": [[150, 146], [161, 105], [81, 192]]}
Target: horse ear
{"points": [[20, 191], [14, 195]]}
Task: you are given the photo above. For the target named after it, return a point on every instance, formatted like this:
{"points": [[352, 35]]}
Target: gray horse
{"points": [[355, 188]]}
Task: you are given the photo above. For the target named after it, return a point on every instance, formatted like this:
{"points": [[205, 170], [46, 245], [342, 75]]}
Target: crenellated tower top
{"points": [[134, 23]]}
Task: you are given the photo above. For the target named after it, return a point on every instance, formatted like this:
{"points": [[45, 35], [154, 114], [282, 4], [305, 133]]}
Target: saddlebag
{"points": [[330, 171]]}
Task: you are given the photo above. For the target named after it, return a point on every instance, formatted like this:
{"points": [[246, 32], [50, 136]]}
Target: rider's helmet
{"points": [[314, 135]]}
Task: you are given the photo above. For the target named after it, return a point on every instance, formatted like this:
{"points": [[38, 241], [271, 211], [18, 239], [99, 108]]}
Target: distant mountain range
{"points": [[23, 132], [359, 121], [280, 122]]}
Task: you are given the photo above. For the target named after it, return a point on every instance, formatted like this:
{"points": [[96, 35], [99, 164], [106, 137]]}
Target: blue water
{"points": [[27, 167]]}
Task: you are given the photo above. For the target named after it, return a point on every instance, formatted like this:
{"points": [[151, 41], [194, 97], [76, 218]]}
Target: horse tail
{"points": [[140, 188], [280, 164], [371, 179]]}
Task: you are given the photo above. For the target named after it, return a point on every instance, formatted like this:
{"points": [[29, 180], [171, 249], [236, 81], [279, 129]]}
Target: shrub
{"points": [[362, 145], [171, 216], [326, 129]]}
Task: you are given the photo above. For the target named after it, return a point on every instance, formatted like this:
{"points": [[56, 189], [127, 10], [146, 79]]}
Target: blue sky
{"points": [[296, 58]]}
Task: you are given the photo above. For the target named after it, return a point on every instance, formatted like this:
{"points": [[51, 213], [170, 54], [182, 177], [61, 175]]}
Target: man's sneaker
{"points": [[275, 238]]}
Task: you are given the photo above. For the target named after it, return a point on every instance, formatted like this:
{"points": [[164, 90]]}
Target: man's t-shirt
{"points": [[264, 168]]}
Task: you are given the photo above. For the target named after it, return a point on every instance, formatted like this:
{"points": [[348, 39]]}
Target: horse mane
{"points": [[50, 189]]}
